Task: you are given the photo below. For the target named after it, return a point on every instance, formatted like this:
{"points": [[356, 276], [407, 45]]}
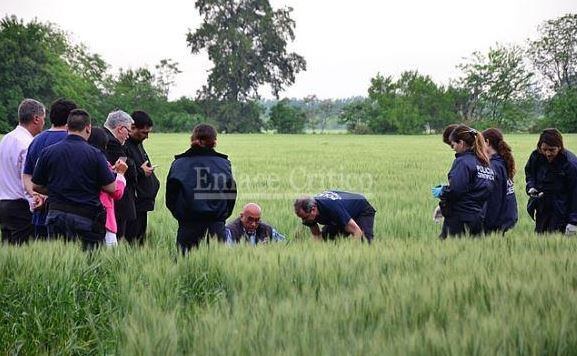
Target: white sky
{"points": [[345, 43]]}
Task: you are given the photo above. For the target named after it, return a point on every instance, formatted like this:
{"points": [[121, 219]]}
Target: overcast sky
{"points": [[345, 43]]}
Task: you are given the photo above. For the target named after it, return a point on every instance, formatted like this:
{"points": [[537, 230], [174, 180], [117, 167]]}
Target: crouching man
{"points": [[249, 228], [341, 213]]}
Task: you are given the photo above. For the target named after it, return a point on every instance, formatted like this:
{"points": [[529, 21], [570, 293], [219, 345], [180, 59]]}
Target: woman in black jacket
{"points": [[470, 184], [501, 208], [551, 176], [200, 190]]}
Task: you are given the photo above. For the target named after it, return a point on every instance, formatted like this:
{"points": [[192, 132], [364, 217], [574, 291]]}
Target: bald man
{"points": [[249, 228]]}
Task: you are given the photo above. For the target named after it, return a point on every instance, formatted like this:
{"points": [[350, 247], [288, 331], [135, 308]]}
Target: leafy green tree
{"points": [[412, 104], [166, 71], [287, 119], [326, 111], [136, 89], [356, 116], [233, 116], [38, 61], [562, 110], [421, 104], [26, 53], [246, 40], [496, 82], [554, 53], [310, 108]]}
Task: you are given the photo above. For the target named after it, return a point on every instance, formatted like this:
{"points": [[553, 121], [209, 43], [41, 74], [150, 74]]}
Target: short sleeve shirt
{"points": [[337, 208], [40, 142], [73, 171], [13, 147]]}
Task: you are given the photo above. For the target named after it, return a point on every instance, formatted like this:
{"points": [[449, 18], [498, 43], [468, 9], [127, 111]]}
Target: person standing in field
{"points": [[59, 111], [447, 134], [16, 203], [551, 177], [118, 125], [249, 228], [437, 212], [471, 182], [99, 139], [72, 173], [200, 190], [501, 208], [147, 185], [340, 213]]}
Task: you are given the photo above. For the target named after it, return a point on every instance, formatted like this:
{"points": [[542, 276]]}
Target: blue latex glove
{"points": [[437, 191]]}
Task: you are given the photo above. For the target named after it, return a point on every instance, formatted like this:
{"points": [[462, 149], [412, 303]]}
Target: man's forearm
{"points": [[354, 229], [40, 189], [28, 185], [316, 231]]}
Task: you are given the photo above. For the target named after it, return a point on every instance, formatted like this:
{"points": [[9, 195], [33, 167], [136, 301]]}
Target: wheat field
{"points": [[407, 293]]}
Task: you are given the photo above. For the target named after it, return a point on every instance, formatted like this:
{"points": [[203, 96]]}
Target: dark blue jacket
{"points": [[470, 185], [74, 172], [557, 181], [200, 186], [338, 207], [501, 207]]}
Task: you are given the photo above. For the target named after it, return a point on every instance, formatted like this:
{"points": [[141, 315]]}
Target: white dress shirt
{"points": [[13, 148]]}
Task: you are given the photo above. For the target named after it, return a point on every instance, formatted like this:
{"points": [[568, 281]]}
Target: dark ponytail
{"points": [[473, 139], [495, 138]]}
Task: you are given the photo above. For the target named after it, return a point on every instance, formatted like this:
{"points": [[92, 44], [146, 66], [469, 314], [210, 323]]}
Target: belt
{"points": [[88, 212]]}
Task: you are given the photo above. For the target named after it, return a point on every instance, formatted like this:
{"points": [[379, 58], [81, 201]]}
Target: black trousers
{"points": [[365, 221], [74, 227], [16, 221], [120, 227], [453, 226], [190, 235], [548, 222], [136, 229]]}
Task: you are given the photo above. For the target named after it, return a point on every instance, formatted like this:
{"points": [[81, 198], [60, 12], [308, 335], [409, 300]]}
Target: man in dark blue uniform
{"points": [[341, 213], [72, 173], [59, 112]]}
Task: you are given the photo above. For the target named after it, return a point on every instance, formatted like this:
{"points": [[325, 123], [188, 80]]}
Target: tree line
{"points": [[38, 60], [514, 87]]}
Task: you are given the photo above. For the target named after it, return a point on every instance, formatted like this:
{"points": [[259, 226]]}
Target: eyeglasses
{"points": [[126, 128]]}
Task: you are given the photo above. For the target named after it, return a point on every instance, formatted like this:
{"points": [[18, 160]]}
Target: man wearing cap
{"points": [[249, 228], [341, 213], [15, 203]]}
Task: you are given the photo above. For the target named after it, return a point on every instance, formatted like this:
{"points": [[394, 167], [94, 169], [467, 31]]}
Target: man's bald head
{"points": [[250, 217], [252, 208]]}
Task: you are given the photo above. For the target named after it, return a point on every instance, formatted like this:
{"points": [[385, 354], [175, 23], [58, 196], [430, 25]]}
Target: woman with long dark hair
{"points": [[501, 208], [551, 176], [471, 181]]}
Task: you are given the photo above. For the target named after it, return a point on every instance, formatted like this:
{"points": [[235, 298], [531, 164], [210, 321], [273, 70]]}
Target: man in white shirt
{"points": [[15, 203]]}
